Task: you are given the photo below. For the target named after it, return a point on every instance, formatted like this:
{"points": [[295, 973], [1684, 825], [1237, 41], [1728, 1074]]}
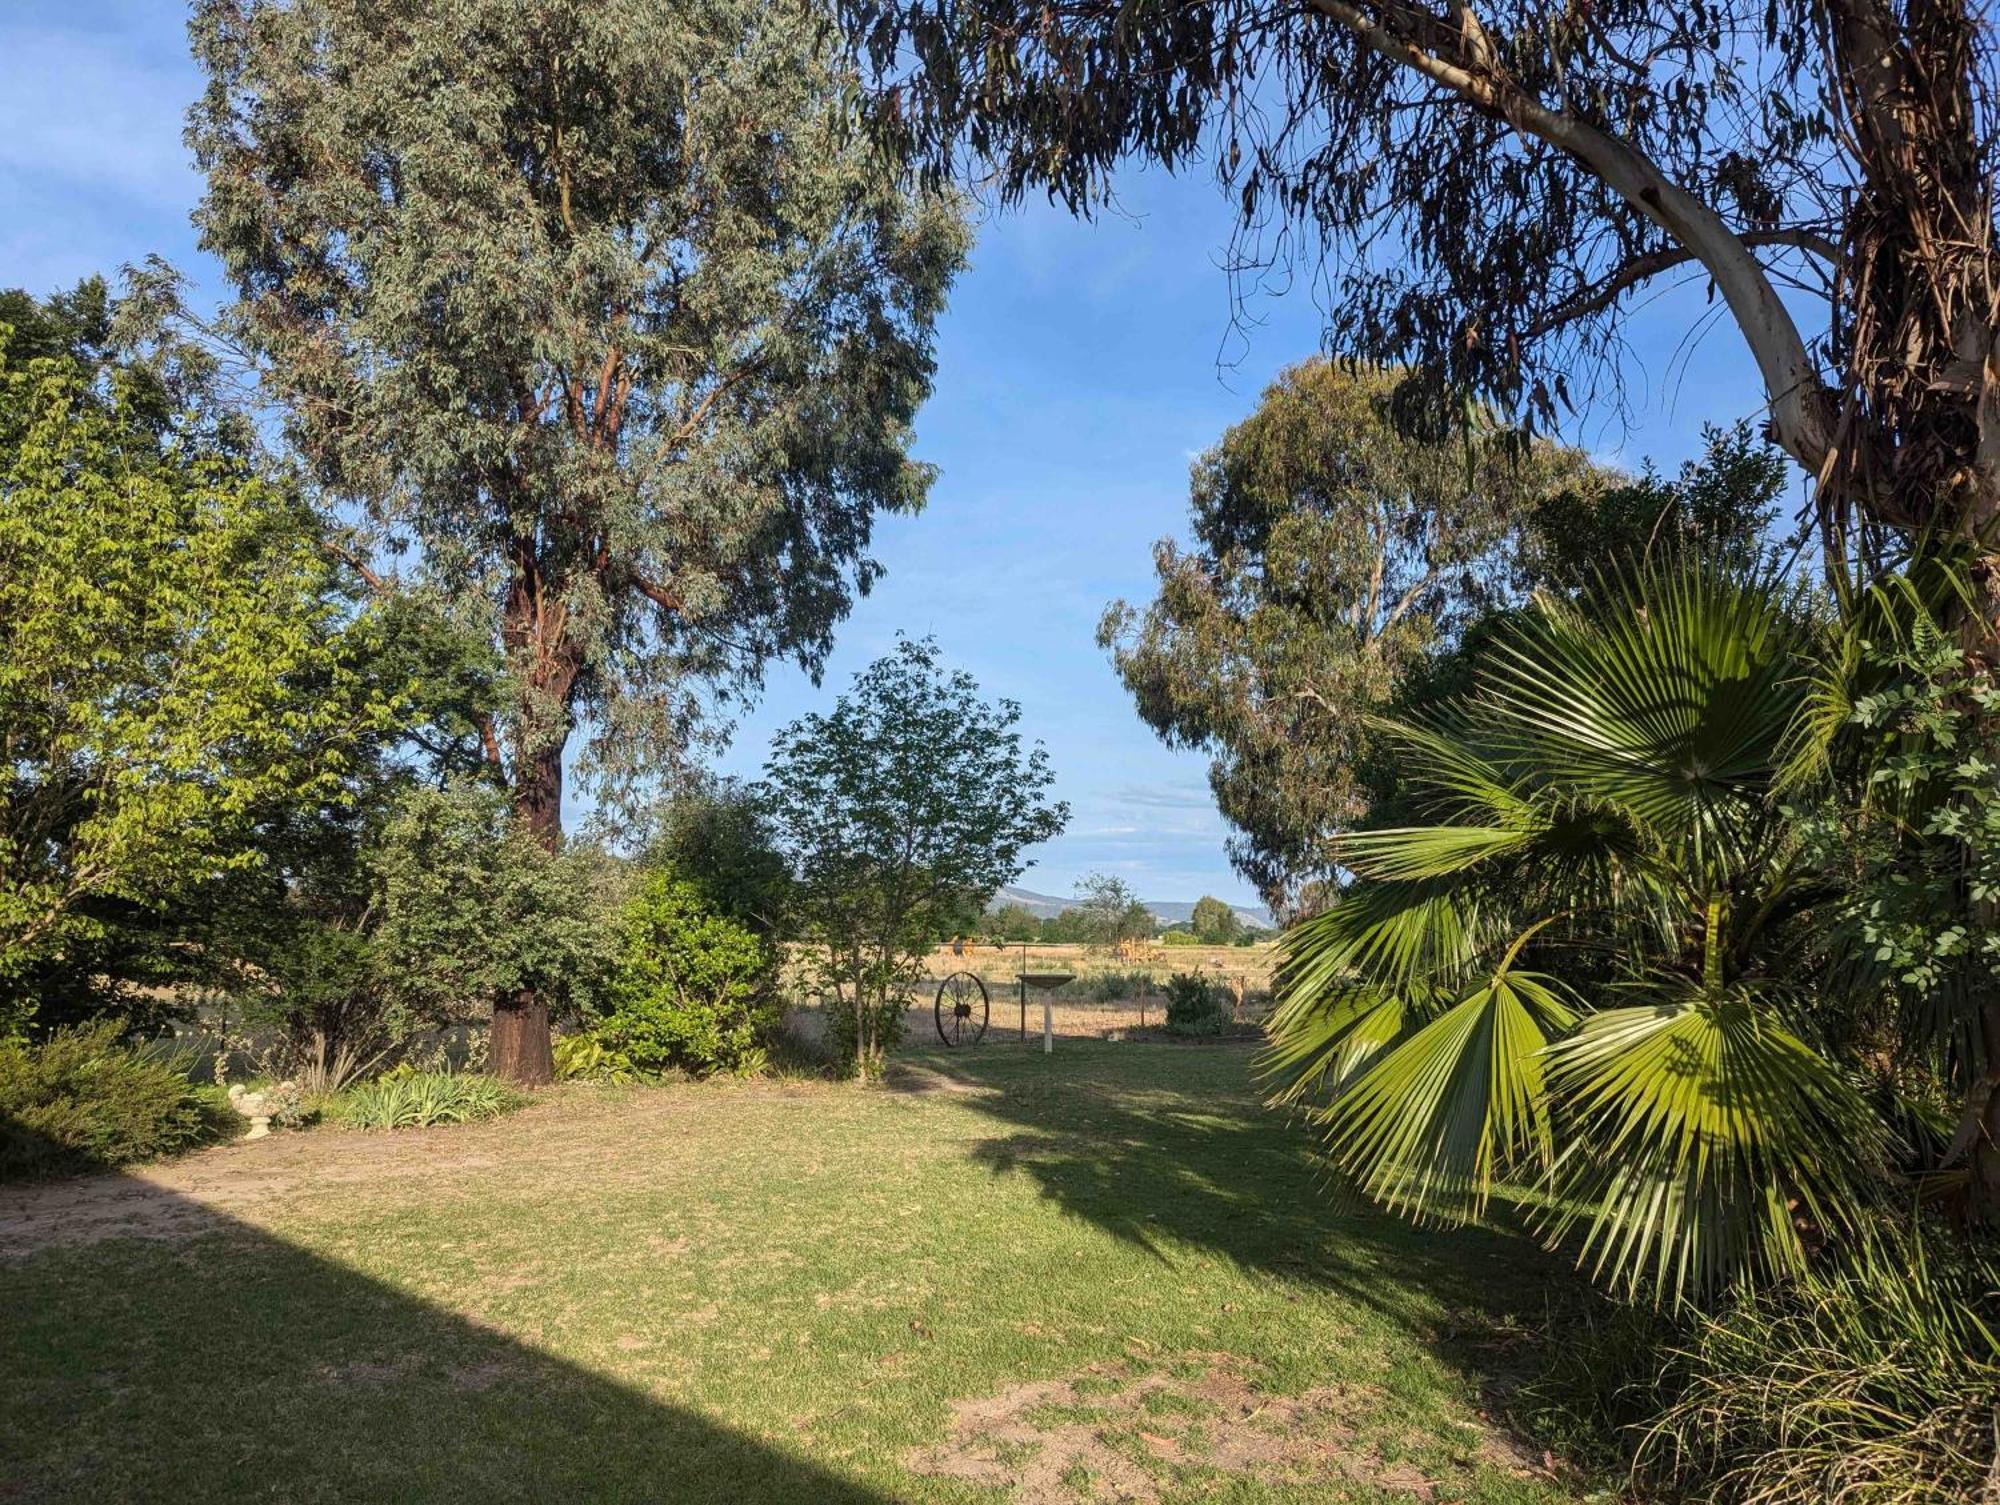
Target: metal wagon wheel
{"points": [[961, 1009]]}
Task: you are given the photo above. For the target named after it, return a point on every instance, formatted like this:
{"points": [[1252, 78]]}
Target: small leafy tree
{"points": [[903, 809], [1108, 912], [1014, 922], [1214, 923], [718, 836], [476, 912]]}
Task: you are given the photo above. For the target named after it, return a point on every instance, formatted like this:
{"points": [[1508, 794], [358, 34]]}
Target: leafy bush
{"points": [[694, 987], [1196, 1005], [1179, 938], [292, 1106], [1109, 987], [1874, 1377], [80, 1101], [584, 1057], [421, 1099]]}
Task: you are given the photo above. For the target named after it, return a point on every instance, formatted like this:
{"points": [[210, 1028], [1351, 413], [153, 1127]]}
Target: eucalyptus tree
{"points": [[1333, 557], [1495, 182], [603, 321]]}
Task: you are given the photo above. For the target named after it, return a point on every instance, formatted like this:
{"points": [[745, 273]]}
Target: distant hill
{"points": [[1166, 911]]}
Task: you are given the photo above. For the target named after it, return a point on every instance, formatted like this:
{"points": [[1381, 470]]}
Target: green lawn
{"points": [[1108, 1275]]}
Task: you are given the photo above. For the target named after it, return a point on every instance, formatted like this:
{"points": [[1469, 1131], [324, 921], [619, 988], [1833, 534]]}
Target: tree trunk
{"points": [[534, 630], [521, 1049], [538, 795]]}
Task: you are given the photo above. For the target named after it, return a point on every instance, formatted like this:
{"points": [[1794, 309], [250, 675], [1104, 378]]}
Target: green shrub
{"points": [[1179, 938], [584, 1057], [1196, 1005], [1874, 1377], [422, 1099], [80, 1101], [694, 988], [1109, 987]]}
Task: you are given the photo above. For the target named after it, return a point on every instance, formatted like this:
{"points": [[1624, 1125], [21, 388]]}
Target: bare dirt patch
{"points": [[1108, 1434]]}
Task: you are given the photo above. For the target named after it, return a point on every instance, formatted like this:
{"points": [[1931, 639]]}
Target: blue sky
{"points": [[1081, 367]]}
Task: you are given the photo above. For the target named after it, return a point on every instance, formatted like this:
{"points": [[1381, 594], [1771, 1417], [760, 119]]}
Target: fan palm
{"points": [[1587, 982]]}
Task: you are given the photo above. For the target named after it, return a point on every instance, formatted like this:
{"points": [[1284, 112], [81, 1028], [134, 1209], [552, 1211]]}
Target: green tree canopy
{"points": [[1013, 922], [177, 664], [1332, 556], [604, 317], [1491, 184], [904, 808], [1214, 923], [1108, 910]]}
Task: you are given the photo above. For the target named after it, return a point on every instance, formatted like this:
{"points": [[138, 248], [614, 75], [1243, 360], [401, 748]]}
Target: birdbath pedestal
{"points": [[1047, 982]]}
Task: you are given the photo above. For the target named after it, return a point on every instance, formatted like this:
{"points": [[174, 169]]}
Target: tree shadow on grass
{"points": [[223, 1363], [1172, 1148]]}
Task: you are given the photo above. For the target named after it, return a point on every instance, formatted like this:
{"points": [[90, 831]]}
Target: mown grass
{"points": [[729, 1292]]}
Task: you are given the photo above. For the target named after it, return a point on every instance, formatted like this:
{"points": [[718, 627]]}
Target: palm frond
{"points": [[1666, 694], [1706, 1135], [1430, 1124], [1408, 939]]}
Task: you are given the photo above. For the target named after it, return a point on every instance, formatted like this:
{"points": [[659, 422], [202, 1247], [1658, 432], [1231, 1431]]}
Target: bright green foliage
{"points": [[1593, 979], [694, 989], [1214, 923], [1872, 1379], [582, 1056], [424, 1099], [1196, 1004], [603, 308], [171, 670], [903, 808], [77, 1100], [719, 837], [1334, 555], [1179, 938]]}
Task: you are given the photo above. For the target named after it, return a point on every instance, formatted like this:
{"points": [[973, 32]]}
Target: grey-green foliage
{"points": [[1108, 910], [601, 310], [904, 808]]}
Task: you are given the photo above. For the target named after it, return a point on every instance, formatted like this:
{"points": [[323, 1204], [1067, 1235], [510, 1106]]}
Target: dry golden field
{"points": [[1108, 998]]}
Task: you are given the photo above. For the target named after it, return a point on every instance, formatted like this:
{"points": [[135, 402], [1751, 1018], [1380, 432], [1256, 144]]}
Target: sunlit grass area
{"points": [[1107, 1274]]}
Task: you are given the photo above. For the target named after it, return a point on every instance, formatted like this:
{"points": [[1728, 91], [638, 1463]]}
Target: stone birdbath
{"points": [[1047, 982]]}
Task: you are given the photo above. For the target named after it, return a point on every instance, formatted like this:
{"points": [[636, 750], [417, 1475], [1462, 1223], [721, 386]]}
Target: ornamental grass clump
{"points": [[424, 1099], [1875, 1377]]}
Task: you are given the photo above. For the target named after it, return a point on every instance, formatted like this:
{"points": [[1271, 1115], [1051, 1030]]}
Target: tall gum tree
{"points": [[602, 318], [1492, 183]]}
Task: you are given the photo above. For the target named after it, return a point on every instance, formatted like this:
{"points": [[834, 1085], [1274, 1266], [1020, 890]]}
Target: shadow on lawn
{"points": [[225, 1363], [1184, 1153]]}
